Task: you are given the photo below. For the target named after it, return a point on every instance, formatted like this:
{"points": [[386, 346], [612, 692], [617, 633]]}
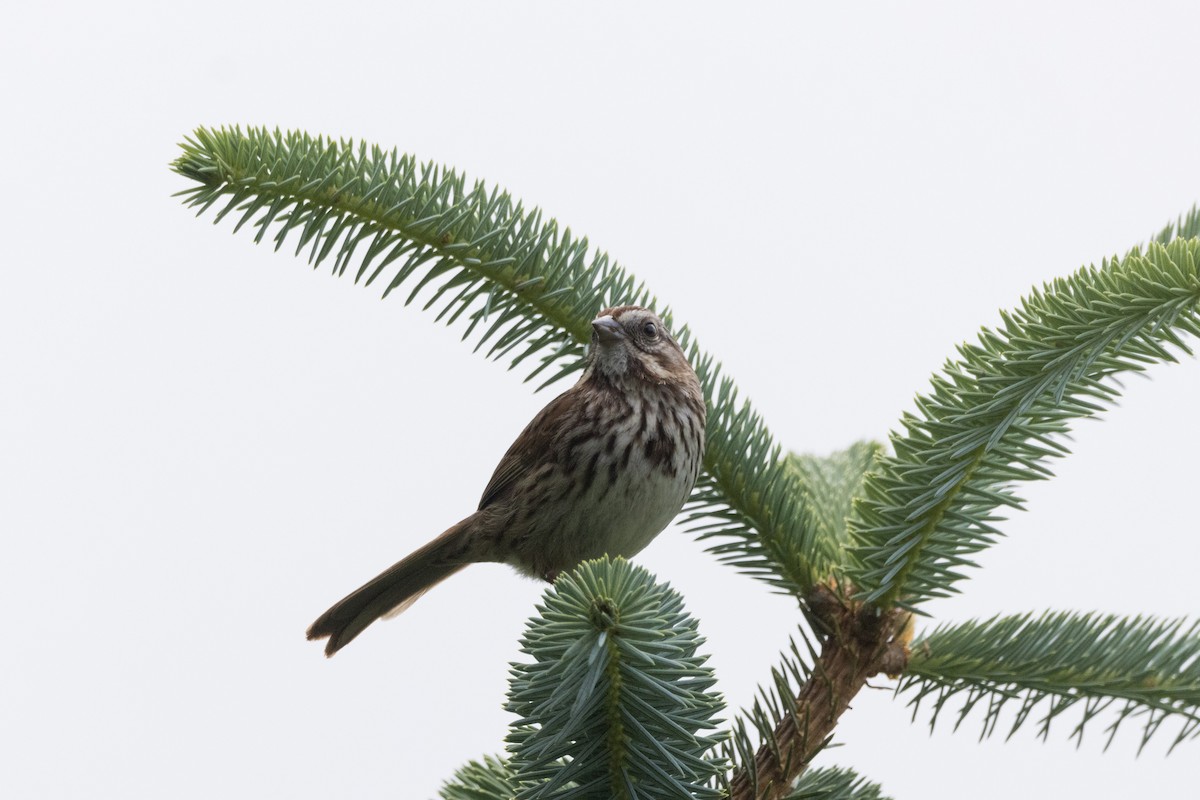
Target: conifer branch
{"points": [[830, 484], [835, 783], [516, 281], [999, 412], [615, 699], [488, 779], [859, 643], [1136, 668], [616, 680], [1187, 226]]}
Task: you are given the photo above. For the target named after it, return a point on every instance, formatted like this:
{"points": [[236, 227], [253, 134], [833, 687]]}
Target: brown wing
{"points": [[530, 449]]}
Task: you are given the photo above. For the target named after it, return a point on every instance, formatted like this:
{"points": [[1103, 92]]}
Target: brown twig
{"points": [[860, 642]]}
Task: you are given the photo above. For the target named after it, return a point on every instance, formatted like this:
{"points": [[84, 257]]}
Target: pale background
{"points": [[204, 443]]}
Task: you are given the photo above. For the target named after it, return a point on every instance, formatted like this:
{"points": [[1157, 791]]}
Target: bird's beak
{"points": [[608, 329]]}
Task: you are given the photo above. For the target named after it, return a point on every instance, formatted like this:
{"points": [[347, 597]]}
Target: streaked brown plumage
{"points": [[600, 470]]}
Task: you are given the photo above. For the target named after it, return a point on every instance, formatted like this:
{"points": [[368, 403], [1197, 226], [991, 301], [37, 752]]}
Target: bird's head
{"points": [[630, 342]]}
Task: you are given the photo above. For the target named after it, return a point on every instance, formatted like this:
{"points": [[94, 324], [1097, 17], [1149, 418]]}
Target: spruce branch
{"points": [[818, 491], [754, 728], [835, 783], [769, 532], [830, 484], [997, 413], [488, 779], [616, 688], [1137, 668], [513, 278], [615, 699], [1187, 226], [860, 642]]}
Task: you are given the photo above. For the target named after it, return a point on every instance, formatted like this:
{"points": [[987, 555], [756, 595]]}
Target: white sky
{"points": [[204, 444]]}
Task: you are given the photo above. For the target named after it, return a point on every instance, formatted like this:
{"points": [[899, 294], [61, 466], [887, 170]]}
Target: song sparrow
{"points": [[600, 470]]}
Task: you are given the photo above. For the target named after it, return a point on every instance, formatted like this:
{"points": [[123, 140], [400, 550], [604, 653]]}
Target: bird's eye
{"points": [[650, 330]]}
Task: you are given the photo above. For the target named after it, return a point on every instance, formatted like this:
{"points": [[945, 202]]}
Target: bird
{"points": [[600, 471]]}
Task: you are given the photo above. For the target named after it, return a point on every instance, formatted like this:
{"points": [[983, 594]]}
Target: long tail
{"points": [[396, 588]]}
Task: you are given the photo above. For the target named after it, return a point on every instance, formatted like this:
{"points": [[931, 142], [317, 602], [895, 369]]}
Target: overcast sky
{"points": [[203, 443]]}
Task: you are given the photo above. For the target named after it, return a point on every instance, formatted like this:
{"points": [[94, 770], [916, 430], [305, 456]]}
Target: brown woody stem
{"points": [[860, 642]]}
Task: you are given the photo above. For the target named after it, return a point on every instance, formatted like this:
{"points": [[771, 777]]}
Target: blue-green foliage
{"points": [[768, 531], [830, 484], [1138, 668], [518, 282], [1186, 227], [997, 413], [488, 779], [617, 700], [834, 783]]}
